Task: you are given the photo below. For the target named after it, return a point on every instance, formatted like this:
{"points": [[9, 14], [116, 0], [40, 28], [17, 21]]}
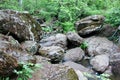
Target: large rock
{"points": [[30, 46], [114, 57], [100, 45], [107, 31], [80, 75], [55, 53], [11, 46], [116, 69], [89, 24], [75, 55], [115, 63], [100, 62], [7, 64], [53, 72], [55, 40], [20, 25], [74, 39], [79, 67]]}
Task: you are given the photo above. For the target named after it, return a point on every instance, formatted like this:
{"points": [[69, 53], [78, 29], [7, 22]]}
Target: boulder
{"points": [[77, 66], [12, 47], [80, 75], [75, 55], [107, 31], [108, 71], [89, 24], [20, 25], [55, 53], [114, 57], [115, 63], [30, 46], [100, 62], [100, 45], [7, 64], [55, 40], [74, 39], [116, 69], [53, 71]]}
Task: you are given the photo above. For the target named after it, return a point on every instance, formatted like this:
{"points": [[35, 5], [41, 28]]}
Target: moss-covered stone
{"points": [[72, 75]]}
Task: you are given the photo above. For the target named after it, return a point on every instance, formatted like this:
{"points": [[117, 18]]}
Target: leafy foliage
{"points": [[84, 45], [98, 77], [67, 11], [114, 17], [26, 71], [4, 78]]}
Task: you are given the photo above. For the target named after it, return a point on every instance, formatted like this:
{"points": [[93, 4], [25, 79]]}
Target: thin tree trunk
{"points": [[20, 3]]}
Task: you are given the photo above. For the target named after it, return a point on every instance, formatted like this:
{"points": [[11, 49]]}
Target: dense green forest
{"points": [[66, 12]]}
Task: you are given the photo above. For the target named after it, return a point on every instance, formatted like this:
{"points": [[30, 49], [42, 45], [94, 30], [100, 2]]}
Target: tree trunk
{"points": [[20, 3]]}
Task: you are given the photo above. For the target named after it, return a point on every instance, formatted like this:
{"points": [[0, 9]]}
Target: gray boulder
{"points": [[55, 53], [100, 45], [80, 75], [53, 71], [77, 66], [114, 57], [100, 62], [30, 46], [55, 40], [116, 69], [75, 55], [74, 38]]}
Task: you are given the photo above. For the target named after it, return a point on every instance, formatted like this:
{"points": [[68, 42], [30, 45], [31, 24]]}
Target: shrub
{"points": [[26, 70]]}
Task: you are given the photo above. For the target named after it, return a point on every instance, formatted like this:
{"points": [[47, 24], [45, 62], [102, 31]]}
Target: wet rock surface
{"points": [[115, 57]]}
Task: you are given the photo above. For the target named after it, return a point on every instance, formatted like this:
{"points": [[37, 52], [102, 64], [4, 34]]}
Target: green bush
{"points": [[26, 70], [67, 10], [84, 45], [113, 17]]}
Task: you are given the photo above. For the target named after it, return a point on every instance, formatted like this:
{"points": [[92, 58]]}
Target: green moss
{"points": [[72, 75]]}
